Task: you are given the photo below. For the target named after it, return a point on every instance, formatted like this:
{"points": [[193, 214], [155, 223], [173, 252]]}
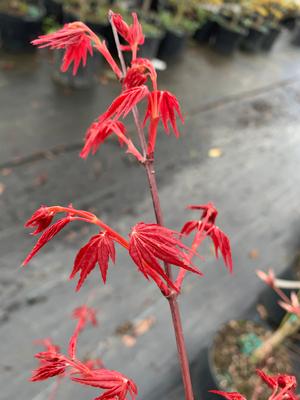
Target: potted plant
{"points": [[230, 367], [240, 347], [229, 32], [178, 29], [291, 13], [272, 23], [206, 20], [254, 17], [274, 31], [20, 22], [153, 36], [54, 9]]}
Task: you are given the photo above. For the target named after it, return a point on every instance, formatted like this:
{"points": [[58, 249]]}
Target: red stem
{"points": [[172, 298], [92, 219]]}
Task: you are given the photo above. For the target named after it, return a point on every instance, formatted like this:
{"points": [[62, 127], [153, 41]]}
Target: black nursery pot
{"points": [[254, 40], [150, 47], [172, 45], [54, 9], [18, 31], [289, 23], [228, 40], [205, 32], [296, 37], [105, 31], [270, 39], [206, 376]]}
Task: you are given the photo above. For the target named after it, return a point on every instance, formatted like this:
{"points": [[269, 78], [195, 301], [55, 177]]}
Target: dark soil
{"points": [[230, 357]]}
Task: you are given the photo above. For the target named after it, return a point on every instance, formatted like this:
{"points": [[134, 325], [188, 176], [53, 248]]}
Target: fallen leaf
{"points": [[6, 171], [214, 152], [143, 326], [49, 155], [2, 188], [128, 340], [125, 328], [254, 254]]}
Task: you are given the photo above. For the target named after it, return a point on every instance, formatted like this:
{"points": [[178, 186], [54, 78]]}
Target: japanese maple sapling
{"points": [[153, 248]]}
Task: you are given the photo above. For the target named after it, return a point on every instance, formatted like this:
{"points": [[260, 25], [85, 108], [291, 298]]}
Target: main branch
{"points": [[172, 299]]}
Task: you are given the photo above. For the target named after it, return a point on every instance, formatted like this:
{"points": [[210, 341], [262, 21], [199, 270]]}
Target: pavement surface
{"points": [[247, 108]]}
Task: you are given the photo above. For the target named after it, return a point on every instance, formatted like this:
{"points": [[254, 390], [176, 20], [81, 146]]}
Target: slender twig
{"points": [[172, 299]]}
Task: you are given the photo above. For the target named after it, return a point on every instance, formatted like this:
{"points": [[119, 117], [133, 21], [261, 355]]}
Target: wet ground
{"points": [[246, 107]]}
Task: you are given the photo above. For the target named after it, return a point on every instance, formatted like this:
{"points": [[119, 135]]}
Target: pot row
{"points": [[227, 41]]}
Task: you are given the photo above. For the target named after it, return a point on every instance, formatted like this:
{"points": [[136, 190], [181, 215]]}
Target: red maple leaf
{"points": [[114, 384], [162, 105], [100, 130], [151, 243], [283, 386], [133, 34], [137, 74], [40, 220], [85, 315], [125, 102], [51, 364], [48, 234], [74, 39], [77, 40], [99, 250], [205, 226]]}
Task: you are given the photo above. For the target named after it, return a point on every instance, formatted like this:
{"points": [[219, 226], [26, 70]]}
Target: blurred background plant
{"points": [[224, 25]]}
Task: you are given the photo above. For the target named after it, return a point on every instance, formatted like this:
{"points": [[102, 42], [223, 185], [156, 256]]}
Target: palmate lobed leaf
{"points": [[98, 132], [74, 39], [99, 249], [48, 234], [113, 382], [125, 102], [151, 243], [205, 226]]}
